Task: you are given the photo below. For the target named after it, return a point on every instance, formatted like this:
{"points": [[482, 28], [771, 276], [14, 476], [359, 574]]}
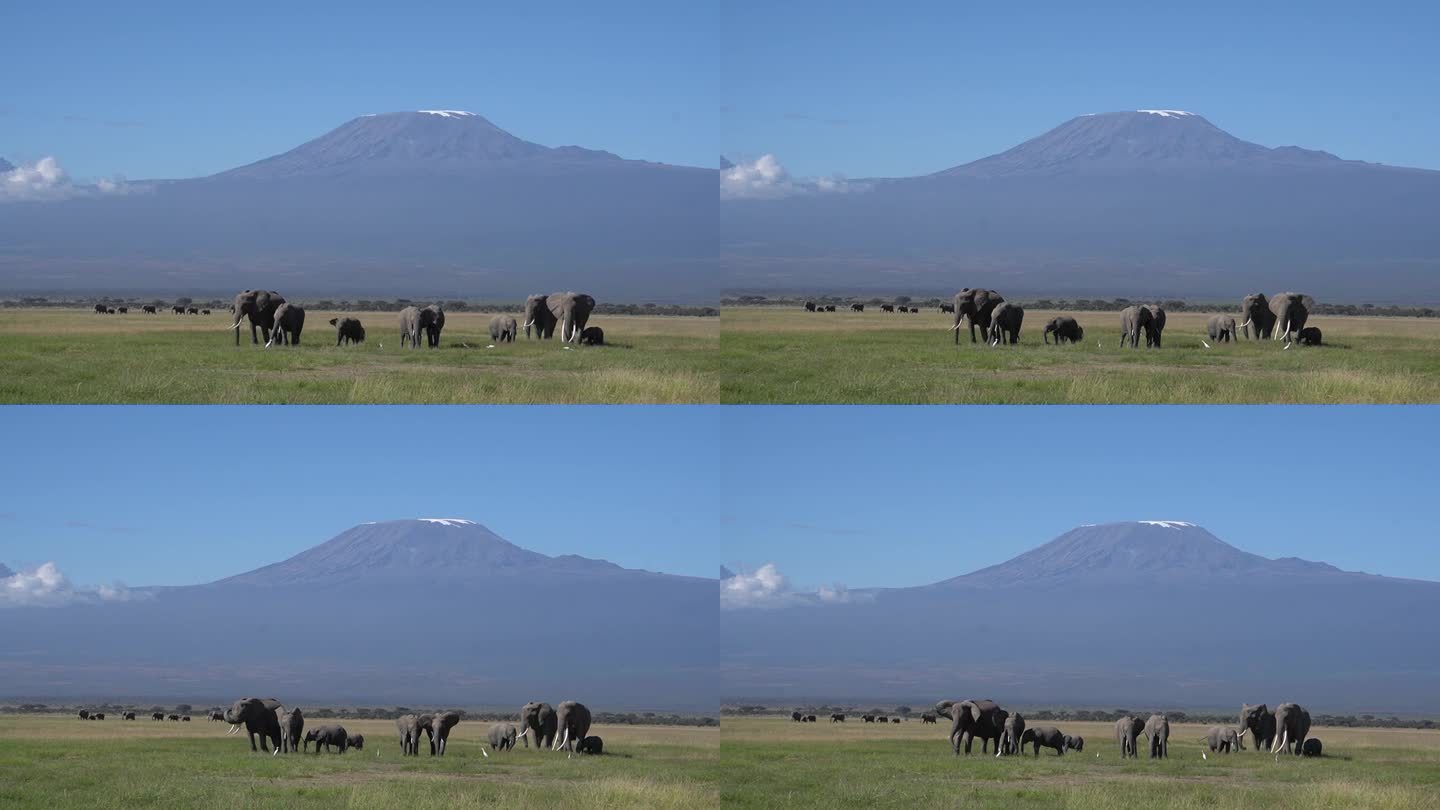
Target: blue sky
{"points": [[175, 89], [177, 495], [875, 496], [906, 88]]}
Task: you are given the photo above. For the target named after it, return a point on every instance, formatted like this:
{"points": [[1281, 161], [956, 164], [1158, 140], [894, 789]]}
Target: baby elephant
{"points": [[502, 329], [1065, 329], [591, 745], [594, 336], [1221, 739], [1220, 328], [348, 329], [1312, 747], [1047, 736], [1076, 743], [502, 736], [1310, 336], [327, 736], [356, 741]]}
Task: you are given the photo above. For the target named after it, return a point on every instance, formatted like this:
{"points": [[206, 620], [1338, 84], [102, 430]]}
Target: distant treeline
{"points": [[365, 713], [358, 305], [1093, 715], [1082, 305]]}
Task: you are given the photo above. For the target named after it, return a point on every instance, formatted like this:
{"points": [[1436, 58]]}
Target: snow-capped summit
{"points": [[449, 521], [448, 113], [1167, 113]]}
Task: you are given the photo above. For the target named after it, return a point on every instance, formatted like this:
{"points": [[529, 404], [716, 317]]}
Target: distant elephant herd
{"points": [[270, 721], [149, 309]]}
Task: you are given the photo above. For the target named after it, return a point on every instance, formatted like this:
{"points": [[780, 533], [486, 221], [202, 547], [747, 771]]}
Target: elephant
{"points": [[574, 724], [1222, 739], [148, 309], [887, 307], [904, 309], [213, 716], [126, 310], [1127, 729], [410, 327], [796, 717], [540, 719], [970, 719], [289, 322], [538, 314], [1221, 328], [829, 307], [869, 718], [1135, 319], [1012, 734], [1255, 309], [128, 716], [837, 718], [432, 320], [204, 312], [291, 725], [1046, 736], [882, 719], [348, 329], [809, 718], [161, 716], [426, 722], [192, 310], [947, 307], [502, 736], [101, 309], [927, 718], [258, 716], [409, 726], [895, 720], [1157, 729], [591, 745], [592, 336], [503, 329], [857, 307], [259, 306], [1291, 310], [84, 715], [974, 306], [1157, 326], [181, 310], [809, 306], [1312, 747], [327, 736], [1259, 722], [356, 741], [442, 723], [184, 719], [98, 716], [1076, 743], [1310, 336], [572, 311], [1005, 324], [1065, 329], [1292, 723]]}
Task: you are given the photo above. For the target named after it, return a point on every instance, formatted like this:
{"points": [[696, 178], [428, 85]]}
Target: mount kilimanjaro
{"points": [[1157, 203], [1145, 612], [435, 610]]}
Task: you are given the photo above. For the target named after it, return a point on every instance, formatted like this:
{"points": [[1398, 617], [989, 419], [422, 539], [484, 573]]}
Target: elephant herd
{"points": [[148, 309], [89, 715], [282, 322], [270, 721], [1286, 729]]}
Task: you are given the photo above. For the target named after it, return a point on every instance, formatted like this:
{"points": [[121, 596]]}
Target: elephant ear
{"points": [[1308, 301]]}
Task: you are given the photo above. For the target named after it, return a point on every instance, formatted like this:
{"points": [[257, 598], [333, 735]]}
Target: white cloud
{"points": [[766, 587], [47, 586], [765, 178], [46, 179]]}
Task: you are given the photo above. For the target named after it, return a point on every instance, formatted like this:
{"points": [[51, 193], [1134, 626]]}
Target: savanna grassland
{"points": [[788, 355], [49, 761], [772, 762], [75, 356]]}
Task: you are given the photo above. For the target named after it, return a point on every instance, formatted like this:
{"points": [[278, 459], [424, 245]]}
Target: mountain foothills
{"points": [[439, 203], [1148, 203], [435, 610], [1158, 612]]}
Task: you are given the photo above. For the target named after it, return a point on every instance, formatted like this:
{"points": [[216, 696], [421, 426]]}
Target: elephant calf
{"points": [[1310, 336], [502, 736], [1220, 328], [1221, 739], [1065, 329], [1076, 743], [595, 336], [1047, 736], [1312, 747], [327, 736], [356, 741], [348, 330], [591, 745], [503, 329]]}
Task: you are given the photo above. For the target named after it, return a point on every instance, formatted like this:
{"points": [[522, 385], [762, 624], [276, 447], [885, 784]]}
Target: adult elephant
{"points": [[441, 725], [348, 329], [410, 327], [1127, 729], [1157, 326], [837, 718], [975, 306], [502, 329], [128, 716], [1255, 309], [1292, 723], [148, 309], [213, 716], [1011, 735], [328, 736], [289, 323], [259, 307], [1005, 324], [161, 716], [1221, 328], [809, 306], [1134, 320], [1157, 730], [292, 724], [927, 718], [1221, 739], [84, 715], [538, 315], [1259, 722], [432, 320], [857, 307], [573, 719], [970, 719], [537, 720], [1043, 736], [258, 716], [572, 311], [1291, 310], [502, 736], [1065, 329], [409, 727], [796, 717]]}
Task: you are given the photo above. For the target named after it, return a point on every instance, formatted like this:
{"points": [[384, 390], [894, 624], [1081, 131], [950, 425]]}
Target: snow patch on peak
{"points": [[449, 521], [1167, 113], [449, 113], [1166, 524]]}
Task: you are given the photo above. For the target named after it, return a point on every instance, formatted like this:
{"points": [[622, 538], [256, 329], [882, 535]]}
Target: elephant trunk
{"points": [[563, 739]]}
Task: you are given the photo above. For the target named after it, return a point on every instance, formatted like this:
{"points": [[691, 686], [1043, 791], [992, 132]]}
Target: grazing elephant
{"points": [[176, 718], [809, 718], [592, 336], [974, 306], [572, 311], [356, 741], [829, 307], [1292, 723], [1005, 324], [1157, 729], [591, 745], [1065, 329], [857, 307], [161, 716], [837, 718], [1126, 730], [128, 716], [574, 724], [882, 719], [947, 307], [540, 719], [348, 329], [1310, 336], [503, 329], [1134, 320], [409, 726], [796, 717], [502, 736], [538, 315], [213, 716], [1312, 747], [887, 307], [410, 327], [904, 309], [440, 728], [259, 306], [1291, 310], [327, 736], [1157, 326], [192, 310], [177, 310], [1255, 309], [895, 720], [1046, 736], [1076, 743], [432, 320], [148, 309], [809, 306], [204, 312], [184, 719], [1259, 722], [84, 715], [125, 310], [1221, 739], [1221, 328], [258, 716], [292, 723], [970, 719], [289, 323], [98, 716], [1010, 737], [927, 718], [869, 718], [100, 309]]}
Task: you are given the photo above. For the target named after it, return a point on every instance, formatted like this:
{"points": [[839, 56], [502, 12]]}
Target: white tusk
{"points": [[1280, 745], [482, 751], [1203, 343], [1202, 755], [1245, 324], [563, 739]]}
